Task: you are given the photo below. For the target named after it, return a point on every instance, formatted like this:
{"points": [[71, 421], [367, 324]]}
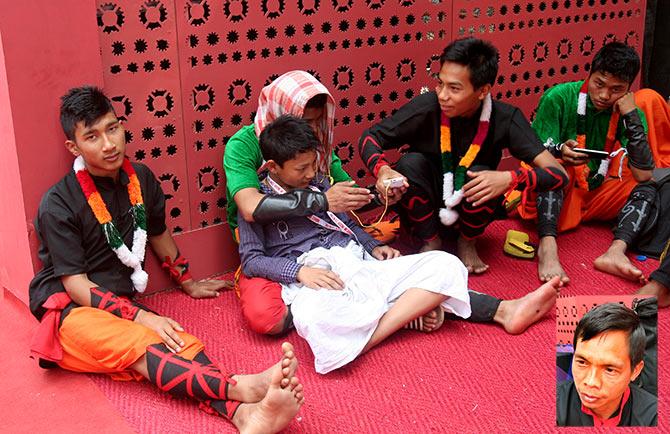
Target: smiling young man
{"points": [[93, 226], [609, 345], [456, 137], [598, 113]]}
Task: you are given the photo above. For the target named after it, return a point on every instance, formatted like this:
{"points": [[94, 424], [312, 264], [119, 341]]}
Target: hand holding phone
{"points": [[394, 182]]}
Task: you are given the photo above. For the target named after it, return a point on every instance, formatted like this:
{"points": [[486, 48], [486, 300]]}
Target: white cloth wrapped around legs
{"points": [[338, 324]]}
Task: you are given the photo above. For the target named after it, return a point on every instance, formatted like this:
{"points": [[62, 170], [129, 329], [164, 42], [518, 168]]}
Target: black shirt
{"points": [[417, 124], [72, 241], [641, 409]]}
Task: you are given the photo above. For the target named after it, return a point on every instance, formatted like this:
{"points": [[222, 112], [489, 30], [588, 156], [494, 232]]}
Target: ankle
{"points": [[618, 247]]}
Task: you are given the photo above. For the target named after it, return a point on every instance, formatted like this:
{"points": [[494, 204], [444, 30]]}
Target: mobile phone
{"points": [[394, 182], [592, 153]]}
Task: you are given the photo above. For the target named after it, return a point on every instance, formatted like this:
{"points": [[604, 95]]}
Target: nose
{"points": [[592, 379], [442, 93], [605, 94], [107, 144]]}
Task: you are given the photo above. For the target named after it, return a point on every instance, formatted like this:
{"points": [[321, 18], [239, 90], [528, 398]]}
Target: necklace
{"points": [[585, 176], [131, 258], [454, 178]]}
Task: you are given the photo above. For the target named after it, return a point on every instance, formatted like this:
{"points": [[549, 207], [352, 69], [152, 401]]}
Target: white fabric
{"points": [[338, 324]]}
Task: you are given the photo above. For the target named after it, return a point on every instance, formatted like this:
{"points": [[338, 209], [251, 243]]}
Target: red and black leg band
{"points": [[474, 220], [538, 179], [198, 378], [178, 268], [106, 300]]}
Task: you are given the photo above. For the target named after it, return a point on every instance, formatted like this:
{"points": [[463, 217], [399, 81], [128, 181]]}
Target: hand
{"points": [[570, 157], [486, 185], [205, 288], [626, 103], [317, 278], [385, 252], [343, 197], [166, 328], [394, 194]]}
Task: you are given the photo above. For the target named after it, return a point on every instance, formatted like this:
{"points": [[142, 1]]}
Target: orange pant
{"points": [[96, 341]]}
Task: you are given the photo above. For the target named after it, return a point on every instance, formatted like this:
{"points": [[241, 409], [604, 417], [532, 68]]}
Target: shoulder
{"points": [[504, 112], [61, 193], [563, 91], [245, 135], [643, 399], [564, 396]]}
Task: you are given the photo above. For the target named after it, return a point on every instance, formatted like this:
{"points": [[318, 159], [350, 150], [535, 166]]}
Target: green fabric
{"points": [[241, 160], [556, 118]]}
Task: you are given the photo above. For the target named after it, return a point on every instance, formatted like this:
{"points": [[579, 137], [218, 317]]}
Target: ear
{"points": [[637, 370], [72, 147], [272, 166], [483, 91]]}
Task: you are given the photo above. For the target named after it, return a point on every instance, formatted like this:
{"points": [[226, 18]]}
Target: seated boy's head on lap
{"points": [[289, 146]]}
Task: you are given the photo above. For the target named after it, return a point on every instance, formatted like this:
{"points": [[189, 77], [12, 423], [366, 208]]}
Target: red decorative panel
{"points": [[186, 74], [543, 43], [570, 310]]}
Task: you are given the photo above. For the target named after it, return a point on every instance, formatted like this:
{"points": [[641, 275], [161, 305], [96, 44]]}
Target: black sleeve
{"points": [[61, 235], [154, 200], [524, 144], [411, 123], [639, 154]]}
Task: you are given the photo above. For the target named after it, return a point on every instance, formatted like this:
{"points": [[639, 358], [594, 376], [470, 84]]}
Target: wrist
{"points": [[383, 170], [140, 316]]}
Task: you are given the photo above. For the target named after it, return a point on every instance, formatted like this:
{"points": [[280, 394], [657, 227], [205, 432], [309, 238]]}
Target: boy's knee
{"points": [[266, 318]]}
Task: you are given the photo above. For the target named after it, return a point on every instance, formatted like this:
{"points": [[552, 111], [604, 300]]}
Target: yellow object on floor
{"points": [[516, 244]]}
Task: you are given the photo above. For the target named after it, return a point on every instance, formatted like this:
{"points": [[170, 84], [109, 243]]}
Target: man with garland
{"points": [[456, 137], [598, 113], [83, 295]]}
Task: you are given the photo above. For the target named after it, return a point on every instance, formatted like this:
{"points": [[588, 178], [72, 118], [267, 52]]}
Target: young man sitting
{"points": [[346, 291], [93, 227]]}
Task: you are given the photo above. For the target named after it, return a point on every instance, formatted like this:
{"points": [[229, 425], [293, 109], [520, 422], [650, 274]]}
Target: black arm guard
{"points": [[639, 154], [539, 179], [106, 300], [296, 203]]}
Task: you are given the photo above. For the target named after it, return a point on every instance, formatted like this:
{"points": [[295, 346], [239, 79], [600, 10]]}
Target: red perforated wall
{"points": [[186, 74]]}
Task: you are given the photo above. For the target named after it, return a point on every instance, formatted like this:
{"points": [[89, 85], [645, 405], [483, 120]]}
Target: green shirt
{"points": [[556, 118], [241, 160]]}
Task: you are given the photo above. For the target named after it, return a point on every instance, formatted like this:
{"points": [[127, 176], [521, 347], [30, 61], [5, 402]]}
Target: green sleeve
{"points": [[336, 170], [549, 119], [241, 159]]}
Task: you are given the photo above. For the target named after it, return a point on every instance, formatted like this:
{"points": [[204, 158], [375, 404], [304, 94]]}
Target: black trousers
{"points": [[419, 207]]}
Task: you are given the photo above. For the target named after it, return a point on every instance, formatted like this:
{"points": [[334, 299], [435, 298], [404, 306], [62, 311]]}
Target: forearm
{"points": [[247, 201], [639, 153], [164, 246], [277, 269], [296, 203], [84, 292], [372, 153], [538, 179]]}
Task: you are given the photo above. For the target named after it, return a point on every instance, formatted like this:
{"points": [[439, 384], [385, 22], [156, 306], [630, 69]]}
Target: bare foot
{"points": [[614, 261], [466, 250], [275, 411], [434, 244], [252, 388], [517, 315], [430, 322], [661, 292], [549, 265]]}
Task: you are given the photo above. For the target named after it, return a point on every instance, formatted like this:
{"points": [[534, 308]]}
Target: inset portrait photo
{"points": [[606, 361]]}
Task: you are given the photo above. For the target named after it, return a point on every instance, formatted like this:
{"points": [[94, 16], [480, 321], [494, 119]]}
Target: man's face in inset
{"points": [[602, 370]]}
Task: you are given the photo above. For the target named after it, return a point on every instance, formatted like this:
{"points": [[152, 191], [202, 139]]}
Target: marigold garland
{"points": [[591, 176], [454, 178], [134, 258]]}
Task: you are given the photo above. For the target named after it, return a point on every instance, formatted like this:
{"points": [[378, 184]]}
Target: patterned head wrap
{"points": [[289, 94]]}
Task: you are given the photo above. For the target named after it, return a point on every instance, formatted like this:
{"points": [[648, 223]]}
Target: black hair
{"points": [[317, 101], [613, 316], [286, 137], [618, 59], [82, 104], [480, 56]]}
